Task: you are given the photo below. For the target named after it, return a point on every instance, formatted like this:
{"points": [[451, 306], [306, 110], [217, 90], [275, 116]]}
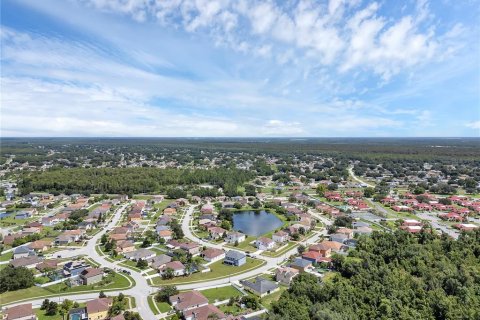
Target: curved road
{"points": [[142, 289]]}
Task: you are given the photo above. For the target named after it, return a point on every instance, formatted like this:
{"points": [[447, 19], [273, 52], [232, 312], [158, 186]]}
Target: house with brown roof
{"points": [[91, 275], [263, 243], [280, 236], [27, 262], [204, 313], [134, 216], [20, 312], [40, 245], [169, 211], [216, 232], [165, 234], [124, 246], [185, 301], [177, 267], [213, 254], [98, 309], [46, 265]]}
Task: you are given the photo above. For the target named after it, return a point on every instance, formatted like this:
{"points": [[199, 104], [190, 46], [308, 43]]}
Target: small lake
{"points": [[255, 223]]}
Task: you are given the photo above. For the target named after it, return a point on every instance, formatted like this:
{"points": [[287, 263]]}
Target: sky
{"points": [[240, 68]]}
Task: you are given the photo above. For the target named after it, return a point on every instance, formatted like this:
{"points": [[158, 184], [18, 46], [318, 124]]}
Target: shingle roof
{"points": [[261, 285], [236, 255]]}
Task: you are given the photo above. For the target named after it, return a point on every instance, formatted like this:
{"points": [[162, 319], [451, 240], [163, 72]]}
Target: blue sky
{"points": [[240, 68]]}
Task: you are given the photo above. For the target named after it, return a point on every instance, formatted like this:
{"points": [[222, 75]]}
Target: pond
{"points": [[255, 223]]}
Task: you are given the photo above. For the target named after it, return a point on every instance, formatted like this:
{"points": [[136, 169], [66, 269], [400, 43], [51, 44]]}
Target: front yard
{"points": [[218, 271]]}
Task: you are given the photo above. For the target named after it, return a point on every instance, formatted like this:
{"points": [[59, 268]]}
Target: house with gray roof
{"points": [[235, 258], [141, 253], [260, 286], [160, 261]]}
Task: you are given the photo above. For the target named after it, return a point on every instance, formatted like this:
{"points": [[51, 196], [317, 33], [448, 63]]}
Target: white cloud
{"points": [[345, 35], [473, 125]]}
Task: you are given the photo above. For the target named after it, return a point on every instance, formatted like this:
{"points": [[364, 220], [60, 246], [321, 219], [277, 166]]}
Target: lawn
{"points": [[7, 256], [120, 282], [234, 309], [158, 306], [289, 246], [245, 245], [41, 315], [269, 299], [218, 271], [221, 293], [130, 264]]}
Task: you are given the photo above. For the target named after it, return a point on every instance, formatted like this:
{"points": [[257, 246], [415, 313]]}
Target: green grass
{"points": [[221, 293], [289, 246], [120, 282], [218, 271], [41, 315], [245, 245], [158, 306], [130, 264], [7, 256], [269, 299], [233, 310]]}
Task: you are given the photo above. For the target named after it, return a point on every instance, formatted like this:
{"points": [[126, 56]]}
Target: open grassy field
{"points": [[221, 293]]}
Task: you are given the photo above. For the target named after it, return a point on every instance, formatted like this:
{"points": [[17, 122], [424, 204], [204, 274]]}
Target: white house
{"points": [[235, 236], [263, 243]]}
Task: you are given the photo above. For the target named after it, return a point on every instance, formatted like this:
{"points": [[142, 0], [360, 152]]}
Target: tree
{"points": [[321, 188], [256, 204], [226, 225], [368, 192], [164, 293], [169, 273], [250, 301], [104, 239], [142, 264], [301, 249], [237, 205], [146, 243], [45, 304], [52, 309], [15, 278], [102, 294]]}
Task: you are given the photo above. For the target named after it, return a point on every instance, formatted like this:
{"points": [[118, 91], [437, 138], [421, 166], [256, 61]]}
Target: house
{"points": [[235, 236], [98, 309], [177, 267], [163, 220], [124, 246], [204, 313], [312, 256], [27, 262], [40, 245], [74, 268], [263, 243], [466, 226], [47, 265], [169, 211], [49, 221], [22, 215], [78, 314], [346, 231], [141, 253], [260, 286], [363, 230], [8, 240], [30, 230], [212, 254], [91, 275], [411, 222], [206, 209], [216, 232], [20, 312], [190, 247], [412, 229], [323, 249], [285, 275], [235, 258], [134, 216], [301, 265], [185, 301], [338, 237], [165, 234], [280, 236], [159, 261], [22, 252]]}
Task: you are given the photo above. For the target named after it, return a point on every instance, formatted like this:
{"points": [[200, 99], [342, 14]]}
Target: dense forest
{"points": [[393, 276], [129, 180]]}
